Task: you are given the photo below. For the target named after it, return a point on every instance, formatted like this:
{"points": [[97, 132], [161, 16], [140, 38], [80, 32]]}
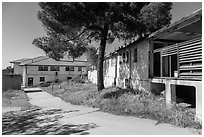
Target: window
{"points": [[135, 55], [125, 57], [42, 68], [54, 68], [79, 68], [69, 68], [42, 79]]}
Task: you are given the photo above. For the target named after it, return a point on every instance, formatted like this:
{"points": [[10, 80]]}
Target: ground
{"points": [[51, 115]]}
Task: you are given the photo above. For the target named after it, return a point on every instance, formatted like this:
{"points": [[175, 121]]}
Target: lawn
{"points": [[125, 102]]}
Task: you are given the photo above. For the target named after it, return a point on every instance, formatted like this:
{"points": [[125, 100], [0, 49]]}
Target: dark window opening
{"points": [[157, 66], [42, 79], [174, 64], [67, 68], [42, 68], [135, 55], [70, 68], [186, 94], [124, 57], [157, 88], [165, 66], [169, 65], [68, 78], [54, 68]]}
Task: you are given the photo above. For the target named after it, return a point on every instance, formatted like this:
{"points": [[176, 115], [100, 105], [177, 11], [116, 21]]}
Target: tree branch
{"points": [[77, 36]]}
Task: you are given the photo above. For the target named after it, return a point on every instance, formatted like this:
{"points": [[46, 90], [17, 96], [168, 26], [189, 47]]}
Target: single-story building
{"points": [[169, 60]]}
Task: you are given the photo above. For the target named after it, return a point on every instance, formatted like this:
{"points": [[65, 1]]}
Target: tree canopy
{"points": [[70, 26]]}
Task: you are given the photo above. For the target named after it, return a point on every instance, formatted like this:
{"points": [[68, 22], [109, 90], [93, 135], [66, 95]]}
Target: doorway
{"points": [[30, 81]]}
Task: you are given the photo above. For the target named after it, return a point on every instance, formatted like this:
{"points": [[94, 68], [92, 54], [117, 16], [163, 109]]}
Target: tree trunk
{"points": [[100, 82]]}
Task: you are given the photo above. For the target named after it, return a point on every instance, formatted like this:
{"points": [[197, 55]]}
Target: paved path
{"points": [[103, 123]]}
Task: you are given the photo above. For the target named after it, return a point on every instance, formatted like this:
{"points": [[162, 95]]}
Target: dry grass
{"points": [[126, 102], [15, 98]]}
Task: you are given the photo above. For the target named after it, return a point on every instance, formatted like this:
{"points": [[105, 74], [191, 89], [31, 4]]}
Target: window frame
{"points": [[42, 80], [69, 68], [80, 68], [42, 68], [58, 68]]}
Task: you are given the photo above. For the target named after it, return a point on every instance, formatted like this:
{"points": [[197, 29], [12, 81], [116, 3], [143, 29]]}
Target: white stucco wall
{"points": [[136, 72], [92, 76], [110, 73]]}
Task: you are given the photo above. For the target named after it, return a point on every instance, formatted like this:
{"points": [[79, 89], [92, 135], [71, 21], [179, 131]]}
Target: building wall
{"points": [[11, 82], [136, 73], [50, 76], [17, 69], [110, 72], [140, 69], [92, 76]]}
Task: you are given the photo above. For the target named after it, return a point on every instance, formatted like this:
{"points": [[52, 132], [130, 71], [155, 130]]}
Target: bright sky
{"points": [[20, 26]]}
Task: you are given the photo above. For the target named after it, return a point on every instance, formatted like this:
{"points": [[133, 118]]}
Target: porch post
{"points": [[198, 103], [170, 93]]}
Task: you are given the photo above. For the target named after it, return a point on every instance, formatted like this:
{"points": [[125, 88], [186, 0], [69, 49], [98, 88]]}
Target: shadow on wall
{"points": [[38, 122]]}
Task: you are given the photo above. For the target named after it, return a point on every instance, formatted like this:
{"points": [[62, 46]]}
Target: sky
{"points": [[20, 27]]}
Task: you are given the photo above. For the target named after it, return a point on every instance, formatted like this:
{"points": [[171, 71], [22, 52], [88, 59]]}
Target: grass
{"points": [[125, 102], [15, 98]]}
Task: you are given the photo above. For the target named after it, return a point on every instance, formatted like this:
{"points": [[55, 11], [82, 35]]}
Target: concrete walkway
{"points": [[104, 123]]}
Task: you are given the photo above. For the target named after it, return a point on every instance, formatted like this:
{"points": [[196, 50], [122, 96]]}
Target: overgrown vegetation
{"points": [[15, 98], [125, 102]]}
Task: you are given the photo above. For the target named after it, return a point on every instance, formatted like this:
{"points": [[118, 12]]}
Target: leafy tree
{"points": [[92, 56], [76, 23]]}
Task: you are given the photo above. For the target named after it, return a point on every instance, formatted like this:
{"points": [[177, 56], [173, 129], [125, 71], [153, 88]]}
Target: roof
{"points": [[181, 28], [188, 27], [52, 62], [19, 60], [47, 61]]}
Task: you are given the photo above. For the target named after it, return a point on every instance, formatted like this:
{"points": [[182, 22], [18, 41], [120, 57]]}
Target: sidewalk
{"points": [[104, 123]]}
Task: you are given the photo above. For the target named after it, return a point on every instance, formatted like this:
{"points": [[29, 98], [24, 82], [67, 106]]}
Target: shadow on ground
{"points": [[40, 122]]}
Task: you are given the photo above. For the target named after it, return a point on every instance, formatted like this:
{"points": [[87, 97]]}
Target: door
{"points": [[30, 81]]}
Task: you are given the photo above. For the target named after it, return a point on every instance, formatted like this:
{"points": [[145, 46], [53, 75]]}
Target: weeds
{"points": [[127, 102]]}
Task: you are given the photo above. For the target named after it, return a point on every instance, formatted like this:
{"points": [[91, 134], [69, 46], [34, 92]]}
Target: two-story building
{"points": [[44, 69], [169, 60]]}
